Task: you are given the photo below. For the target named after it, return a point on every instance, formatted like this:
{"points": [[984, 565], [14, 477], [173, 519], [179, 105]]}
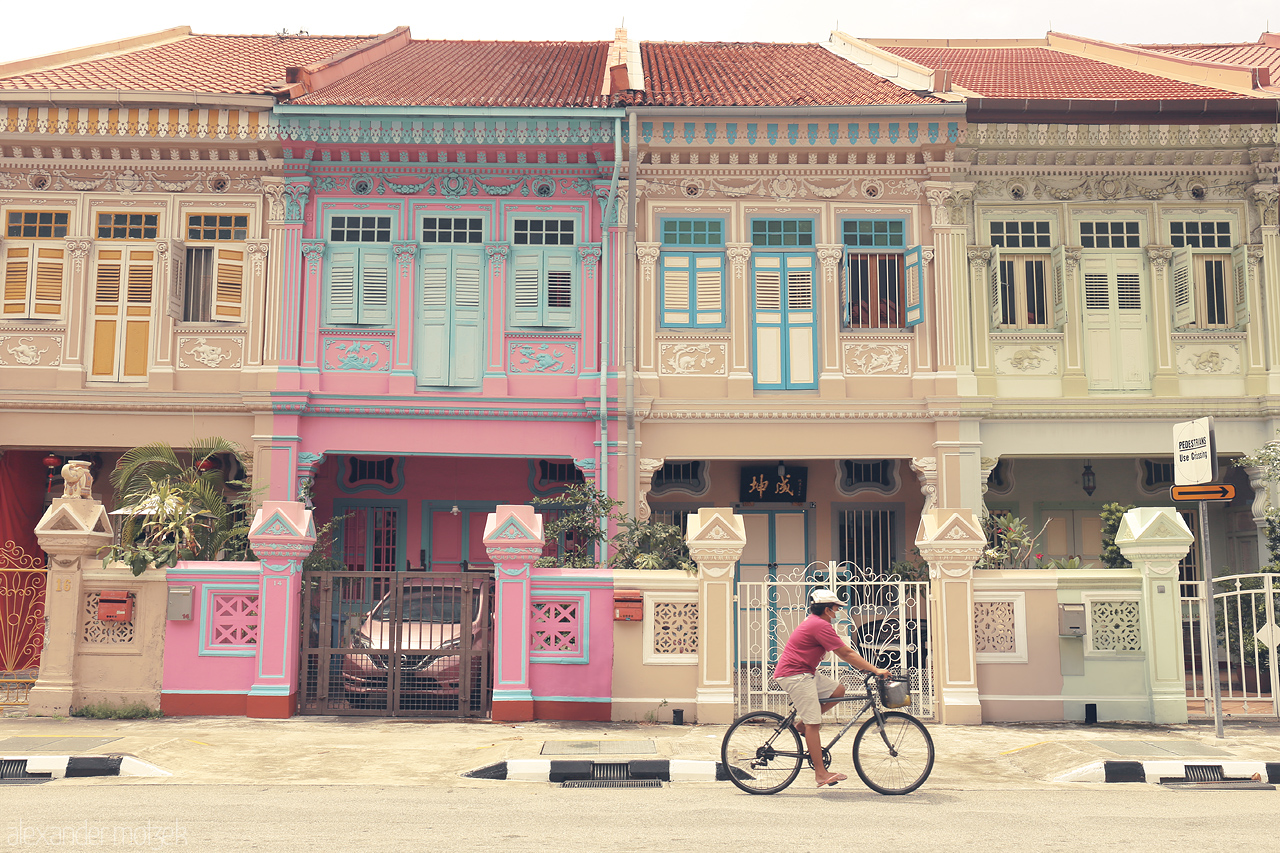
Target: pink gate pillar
{"points": [[282, 534], [513, 538]]}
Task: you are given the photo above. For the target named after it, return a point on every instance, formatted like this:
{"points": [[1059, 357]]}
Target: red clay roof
{"points": [[194, 63], [758, 74], [1248, 54], [476, 74], [1042, 72]]}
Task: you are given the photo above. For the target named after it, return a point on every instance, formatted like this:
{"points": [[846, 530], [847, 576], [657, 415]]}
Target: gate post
{"points": [[282, 535], [513, 538], [1154, 539], [72, 531], [716, 538], [951, 540]]}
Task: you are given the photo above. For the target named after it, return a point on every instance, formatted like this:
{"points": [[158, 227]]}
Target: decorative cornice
{"points": [[801, 415]]}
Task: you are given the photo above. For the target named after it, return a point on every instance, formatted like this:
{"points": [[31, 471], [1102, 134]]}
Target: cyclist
{"points": [[796, 672]]}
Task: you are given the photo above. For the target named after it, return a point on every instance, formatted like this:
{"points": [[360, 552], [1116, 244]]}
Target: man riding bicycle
{"points": [[796, 672]]}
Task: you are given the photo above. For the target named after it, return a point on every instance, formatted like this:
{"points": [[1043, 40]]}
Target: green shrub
{"points": [[112, 711]]}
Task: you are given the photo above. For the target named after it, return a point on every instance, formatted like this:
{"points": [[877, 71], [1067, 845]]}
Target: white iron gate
{"points": [[1245, 609], [886, 619]]}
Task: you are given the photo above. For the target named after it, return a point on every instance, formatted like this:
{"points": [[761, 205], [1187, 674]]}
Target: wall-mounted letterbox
{"points": [[1071, 621], [115, 605], [628, 605], [179, 603]]}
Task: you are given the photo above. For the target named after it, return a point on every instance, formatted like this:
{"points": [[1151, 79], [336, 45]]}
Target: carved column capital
{"points": [[926, 468], [979, 257], [313, 252], [647, 468], [830, 256], [405, 253], [1266, 198], [590, 256], [1159, 256], [739, 254]]}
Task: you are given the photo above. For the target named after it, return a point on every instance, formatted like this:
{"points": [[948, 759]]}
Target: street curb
{"points": [[78, 766], [1152, 772], [543, 770]]}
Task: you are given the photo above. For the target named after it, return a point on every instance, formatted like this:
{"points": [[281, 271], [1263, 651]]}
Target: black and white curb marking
{"points": [[1153, 771], [77, 766], [543, 770]]}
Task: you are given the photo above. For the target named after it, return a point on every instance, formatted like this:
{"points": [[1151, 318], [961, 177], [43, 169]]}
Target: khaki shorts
{"points": [[808, 692]]}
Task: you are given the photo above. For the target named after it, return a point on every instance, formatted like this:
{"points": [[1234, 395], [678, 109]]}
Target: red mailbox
{"points": [[628, 605], [115, 605]]}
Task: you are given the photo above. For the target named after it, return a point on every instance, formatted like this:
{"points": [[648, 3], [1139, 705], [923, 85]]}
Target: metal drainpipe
{"points": [[602, 465], [628, 310]]}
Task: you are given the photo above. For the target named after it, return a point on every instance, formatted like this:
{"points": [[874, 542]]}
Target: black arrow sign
{"points": [[1203, 492]]}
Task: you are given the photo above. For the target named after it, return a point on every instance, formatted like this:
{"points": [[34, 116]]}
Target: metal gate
{"points": [[22, 589], [886, 619], [1245, 608], [397, 644]]}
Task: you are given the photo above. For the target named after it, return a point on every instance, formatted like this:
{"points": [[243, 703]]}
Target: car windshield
{"points": [[438, 606]]}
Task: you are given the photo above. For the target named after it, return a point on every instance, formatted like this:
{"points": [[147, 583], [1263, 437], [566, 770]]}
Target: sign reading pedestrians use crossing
{"points": [[1195, 453], [1203, 492]]}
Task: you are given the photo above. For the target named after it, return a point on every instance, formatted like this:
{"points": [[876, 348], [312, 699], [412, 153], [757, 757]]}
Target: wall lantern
{"points": [[52, 462], [1088, 480]]}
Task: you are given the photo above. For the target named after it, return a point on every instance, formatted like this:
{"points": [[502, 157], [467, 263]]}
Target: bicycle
{"points": [[893, 753]]}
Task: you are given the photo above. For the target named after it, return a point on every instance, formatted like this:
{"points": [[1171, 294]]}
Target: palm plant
{"points": [[176, 508]]}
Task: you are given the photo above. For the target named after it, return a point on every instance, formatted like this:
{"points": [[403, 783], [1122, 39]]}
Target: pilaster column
{"points": [[831, 376], [1164, 381], [1266, 201], [716, 537], [282, 535], [741, 379], [949, 205], [513, 538], [649, 302], [952, 541], [71, 368], [284, 303], [979, 271], [1154, 539], [1074, 381], [926, 468], [403, 379], [72, 531]]}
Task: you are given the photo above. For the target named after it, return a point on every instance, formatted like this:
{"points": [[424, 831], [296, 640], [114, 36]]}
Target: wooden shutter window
{"points": [[914, 285], [1184, 302], [17, 263], [1240, 290], [341, 269], [1060, 286], [994, 280], [675, 289], [709, 289], [375, 287], [141, 283], [527, 290], [228, 294], [560, 299], [48, 289]]}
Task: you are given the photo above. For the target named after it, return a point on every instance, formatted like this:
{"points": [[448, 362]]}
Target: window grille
{"points": [[1024, 292], [1200, 235], [36, 223], [233, 619], [867, 538], [693, 233], [360, 229], [206, 228], [362, 471], [543, 232], [1109, 235], [880, 474], [370, 539], [782, 233], [558, 474], [444, 229], [128, 226], [873, 291], [1021, 234], [682, 476]]}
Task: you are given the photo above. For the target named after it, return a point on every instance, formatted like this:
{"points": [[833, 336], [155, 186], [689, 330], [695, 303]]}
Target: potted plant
{"points": [[179, 508], [574, 519]]}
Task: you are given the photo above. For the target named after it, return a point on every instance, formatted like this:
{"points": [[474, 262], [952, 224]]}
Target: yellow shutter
{"points": [[50, 262], [228, 294], [138, 308], [106, 313], [17, 264]]}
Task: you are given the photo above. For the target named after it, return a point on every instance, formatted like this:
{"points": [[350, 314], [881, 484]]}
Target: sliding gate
{"points": [[885, 620], [385, 643]]}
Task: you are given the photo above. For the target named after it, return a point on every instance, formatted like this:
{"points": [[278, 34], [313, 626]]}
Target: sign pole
{"points": [[1210, 620]]}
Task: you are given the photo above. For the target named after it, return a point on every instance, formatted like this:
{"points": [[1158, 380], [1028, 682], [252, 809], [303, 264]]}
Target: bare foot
{"points": [[832, 779]]}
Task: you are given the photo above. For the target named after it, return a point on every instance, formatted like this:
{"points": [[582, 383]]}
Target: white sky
{"points": [[32, 29]]}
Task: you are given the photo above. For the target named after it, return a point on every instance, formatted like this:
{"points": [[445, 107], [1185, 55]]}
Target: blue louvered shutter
{"points": [[913, 270], [340, 270], [376, 270]]}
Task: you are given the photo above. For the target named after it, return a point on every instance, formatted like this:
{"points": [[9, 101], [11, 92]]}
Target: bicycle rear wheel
{"points": [[761, 755], [900, 766]]}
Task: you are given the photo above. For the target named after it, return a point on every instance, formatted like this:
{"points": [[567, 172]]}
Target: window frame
{"points": [[691, 296], [1189, 288], [217, 305], [155, 226], [811, 222], [538, 312], [27, 306], [360, 257]]}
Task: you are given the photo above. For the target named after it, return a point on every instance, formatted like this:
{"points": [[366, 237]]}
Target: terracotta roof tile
{"points": [[1248, 54], [756, 74], [194, 63], [476, 74], [1042, 72]]}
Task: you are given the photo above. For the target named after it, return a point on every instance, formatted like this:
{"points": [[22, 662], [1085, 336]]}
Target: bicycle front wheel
{"points": [[897, 763], [759, 754]]}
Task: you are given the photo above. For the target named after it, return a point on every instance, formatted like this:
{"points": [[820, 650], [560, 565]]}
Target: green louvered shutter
{"points": [[432, 340], [561, 296], [340, 270], [913, 274], [376, 271], [467, 356], [526, 289]]}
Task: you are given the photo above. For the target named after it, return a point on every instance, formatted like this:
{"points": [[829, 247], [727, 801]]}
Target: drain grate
{"points": [[13, 771], [611, 783], [1204, 773]]}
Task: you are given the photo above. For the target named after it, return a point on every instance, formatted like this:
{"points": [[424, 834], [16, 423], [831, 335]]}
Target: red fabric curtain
{"points": [[23, 481]]}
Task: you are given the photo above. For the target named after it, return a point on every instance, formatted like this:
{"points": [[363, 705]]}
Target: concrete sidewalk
{"points": [[380, 751]]}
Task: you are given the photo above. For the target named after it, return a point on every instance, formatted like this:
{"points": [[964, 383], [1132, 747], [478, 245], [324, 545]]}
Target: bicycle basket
{"points": [[895, 692]]}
